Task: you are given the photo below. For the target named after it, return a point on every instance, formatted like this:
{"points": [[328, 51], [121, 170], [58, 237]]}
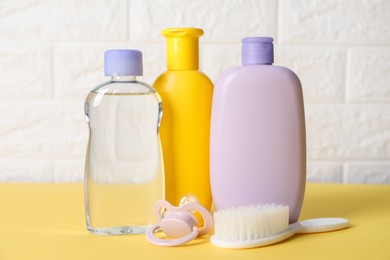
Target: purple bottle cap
{"points": [[257, 50], [123, 63]]}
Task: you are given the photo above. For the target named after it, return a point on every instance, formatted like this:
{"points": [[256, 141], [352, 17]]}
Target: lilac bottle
{"points": [[258, 143]]}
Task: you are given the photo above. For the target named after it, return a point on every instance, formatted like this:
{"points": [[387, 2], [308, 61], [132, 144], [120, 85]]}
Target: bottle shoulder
{"points": [[258, 75], [134, 87], [192, 76], [258, 71], [121, 92]]}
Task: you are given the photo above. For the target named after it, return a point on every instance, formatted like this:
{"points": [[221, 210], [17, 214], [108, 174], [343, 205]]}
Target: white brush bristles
{"points": [[250, 222]]}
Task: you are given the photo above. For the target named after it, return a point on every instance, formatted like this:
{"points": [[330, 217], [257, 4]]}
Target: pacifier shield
{"points": [[179, 223]]}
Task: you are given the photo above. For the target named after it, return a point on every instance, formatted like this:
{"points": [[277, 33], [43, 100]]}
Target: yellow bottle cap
{"points": [[182, 48]]}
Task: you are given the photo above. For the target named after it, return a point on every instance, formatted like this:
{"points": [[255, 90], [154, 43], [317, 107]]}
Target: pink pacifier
{"points": [[179, 223]]}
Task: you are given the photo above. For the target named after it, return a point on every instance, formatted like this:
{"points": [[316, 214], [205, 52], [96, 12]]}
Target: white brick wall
{"points": [[51, 55]]}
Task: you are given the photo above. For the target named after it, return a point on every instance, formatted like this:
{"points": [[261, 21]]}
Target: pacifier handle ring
{"points": [[170, 242], [161, 204], [207, 218]]}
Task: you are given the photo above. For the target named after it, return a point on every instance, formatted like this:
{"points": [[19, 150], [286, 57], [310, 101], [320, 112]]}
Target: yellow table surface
{"points": [[46, 221]]}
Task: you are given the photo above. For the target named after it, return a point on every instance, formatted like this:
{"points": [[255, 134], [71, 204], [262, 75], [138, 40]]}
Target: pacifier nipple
{"points": [[179, 223], [188, 198]]}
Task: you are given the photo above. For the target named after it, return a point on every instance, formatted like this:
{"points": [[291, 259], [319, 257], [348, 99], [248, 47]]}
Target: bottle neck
{"points": [[182, 48], [124, 78]]}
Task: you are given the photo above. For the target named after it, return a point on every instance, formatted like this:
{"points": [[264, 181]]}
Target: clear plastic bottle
{"points": [[124, 166]]}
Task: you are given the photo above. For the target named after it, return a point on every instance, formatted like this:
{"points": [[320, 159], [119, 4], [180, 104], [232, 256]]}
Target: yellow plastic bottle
{"points": [[185, 129]]}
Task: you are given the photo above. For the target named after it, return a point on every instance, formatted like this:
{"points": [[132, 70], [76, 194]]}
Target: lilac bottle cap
{"points": [[257, 50], [123, 63]]}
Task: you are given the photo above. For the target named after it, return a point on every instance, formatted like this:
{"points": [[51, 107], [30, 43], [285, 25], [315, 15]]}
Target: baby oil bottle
{"points": [[124, 167]]}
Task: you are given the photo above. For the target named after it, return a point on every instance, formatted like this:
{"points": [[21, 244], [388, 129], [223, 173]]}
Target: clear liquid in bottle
{"points": [[124, 171]]}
